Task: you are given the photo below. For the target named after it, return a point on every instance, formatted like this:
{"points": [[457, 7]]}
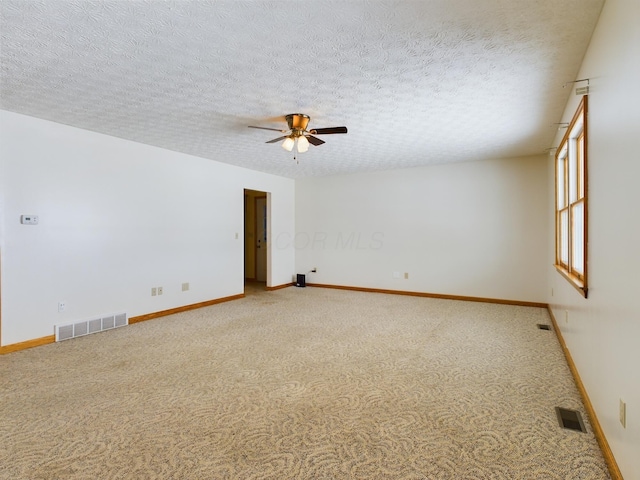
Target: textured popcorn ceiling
{"points": [[416, 82]]}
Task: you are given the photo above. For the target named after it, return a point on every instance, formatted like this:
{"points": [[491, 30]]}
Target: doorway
{"points": [[256, 239]]}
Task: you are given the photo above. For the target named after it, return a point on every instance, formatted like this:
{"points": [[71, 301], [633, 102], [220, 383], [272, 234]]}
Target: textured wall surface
{"points": [[415, 82]]}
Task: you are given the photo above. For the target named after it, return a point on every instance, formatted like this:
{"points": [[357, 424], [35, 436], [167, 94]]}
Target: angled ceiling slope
{"points": [[416, 82]]}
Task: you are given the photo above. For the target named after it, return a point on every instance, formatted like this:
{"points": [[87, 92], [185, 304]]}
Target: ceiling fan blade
{"points": [[276, 139], [327, 131], [273, 129], [314, 140]]}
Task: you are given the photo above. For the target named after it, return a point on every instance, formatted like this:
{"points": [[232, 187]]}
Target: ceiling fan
{"points": [[297, 123]]}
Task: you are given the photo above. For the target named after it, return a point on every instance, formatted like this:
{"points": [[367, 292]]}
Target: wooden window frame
{"points": [[574, 165]]}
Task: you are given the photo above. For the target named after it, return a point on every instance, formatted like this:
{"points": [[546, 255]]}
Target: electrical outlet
{"points": [[185, 286], [154, 292], [314, 269], [406, 275], [623, 414], [61, 307], [159, 290]]}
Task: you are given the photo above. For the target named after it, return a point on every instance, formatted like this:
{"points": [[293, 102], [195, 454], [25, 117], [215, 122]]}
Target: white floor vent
{"points": [[86, 327]]}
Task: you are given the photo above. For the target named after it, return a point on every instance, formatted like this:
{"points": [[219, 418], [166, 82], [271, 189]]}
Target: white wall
{"points": [[473, 229], [116, 219], [603, 331]]}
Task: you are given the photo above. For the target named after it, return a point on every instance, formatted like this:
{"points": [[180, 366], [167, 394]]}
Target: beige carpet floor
{"points": [[300, 383]]}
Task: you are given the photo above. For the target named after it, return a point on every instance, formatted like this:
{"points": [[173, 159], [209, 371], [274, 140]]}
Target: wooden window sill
{"points": [[574, 281]]}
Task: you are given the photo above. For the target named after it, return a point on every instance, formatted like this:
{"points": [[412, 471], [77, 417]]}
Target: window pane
{"points": [[577, 234], [580, 145], [564, 237], [573, 173], [562, 202]]}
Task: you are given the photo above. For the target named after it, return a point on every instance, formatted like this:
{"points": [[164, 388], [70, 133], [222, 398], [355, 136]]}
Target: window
{"points": [[571, 202]]}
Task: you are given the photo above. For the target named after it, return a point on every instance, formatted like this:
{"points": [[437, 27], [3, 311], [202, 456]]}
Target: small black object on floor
{"points": [[301, 280]]}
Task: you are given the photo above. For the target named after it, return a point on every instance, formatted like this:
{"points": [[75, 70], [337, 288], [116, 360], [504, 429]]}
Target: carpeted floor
{"points": [[300, 383]]}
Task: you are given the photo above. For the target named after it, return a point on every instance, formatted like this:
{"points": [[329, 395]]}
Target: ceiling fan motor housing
{"points": [[297, 121]]}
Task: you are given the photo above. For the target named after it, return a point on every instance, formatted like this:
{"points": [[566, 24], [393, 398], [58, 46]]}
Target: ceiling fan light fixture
{"points": [[288, 144], [303, 144]]}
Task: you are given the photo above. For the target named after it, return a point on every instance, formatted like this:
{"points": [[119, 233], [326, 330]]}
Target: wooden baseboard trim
{"points": [[433, 295], [36, 342], [614, 471], [185, 308], [278, 287]]}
